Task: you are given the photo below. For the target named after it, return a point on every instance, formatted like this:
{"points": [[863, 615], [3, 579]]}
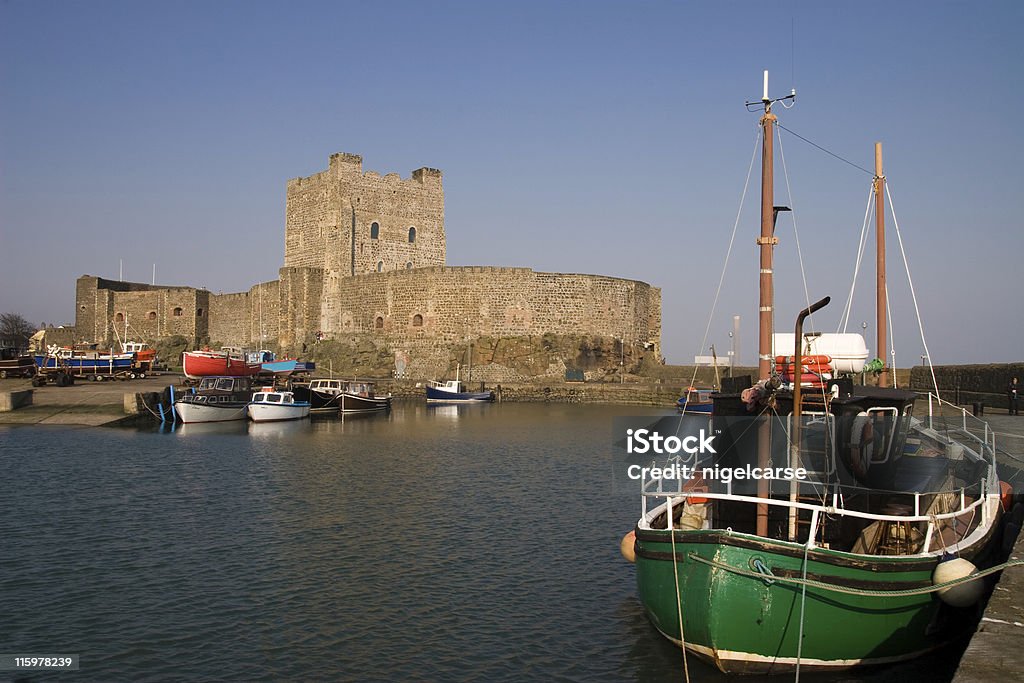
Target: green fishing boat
{"points": [[864, 559]]}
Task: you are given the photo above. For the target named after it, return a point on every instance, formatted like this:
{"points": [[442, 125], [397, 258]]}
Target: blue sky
{"points": [[594, 137]]}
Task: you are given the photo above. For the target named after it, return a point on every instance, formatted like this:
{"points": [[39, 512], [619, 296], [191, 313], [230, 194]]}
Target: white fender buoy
{"points": [[962, 594], [626, 546]]}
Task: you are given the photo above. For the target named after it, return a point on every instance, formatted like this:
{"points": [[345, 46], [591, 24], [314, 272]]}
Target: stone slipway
{"points": [[85, 403]]}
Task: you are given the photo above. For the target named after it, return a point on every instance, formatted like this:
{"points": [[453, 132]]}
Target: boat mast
{"points": [[881, 314], [766, 241]]}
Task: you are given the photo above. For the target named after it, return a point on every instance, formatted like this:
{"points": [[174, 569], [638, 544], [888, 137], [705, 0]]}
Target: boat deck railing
{"points": [[933, 522], [943, 418]]}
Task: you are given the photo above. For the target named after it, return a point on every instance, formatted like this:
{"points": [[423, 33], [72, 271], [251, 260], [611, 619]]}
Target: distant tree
{"points": [[15, 330]]}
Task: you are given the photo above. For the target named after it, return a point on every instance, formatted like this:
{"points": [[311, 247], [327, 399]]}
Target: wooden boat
{"points": [[323, 395], [850, 566], [695, 401], [276, 406], [216, 399], [227, 362], [84, 361], [14, 364], [360, 397], [279, 368], [454, 391], [143, 357]]}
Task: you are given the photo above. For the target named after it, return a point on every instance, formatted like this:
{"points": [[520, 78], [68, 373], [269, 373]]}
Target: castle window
{"points": [[380, 266], [151, 315], [412, 235], [379, 323], [408, 265], [177, 312], [374, 230], [199, 313], [417, 320], [119, 317]]}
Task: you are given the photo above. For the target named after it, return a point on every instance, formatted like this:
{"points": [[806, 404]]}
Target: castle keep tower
{"points": [[349, 222]]}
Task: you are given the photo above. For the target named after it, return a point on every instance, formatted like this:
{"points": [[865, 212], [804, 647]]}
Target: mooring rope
{"points": [[679, 603], [860, 591], [803, 602]]}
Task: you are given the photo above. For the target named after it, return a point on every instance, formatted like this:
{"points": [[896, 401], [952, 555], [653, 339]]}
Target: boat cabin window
{"points": [[273, 398], [225, 384]]}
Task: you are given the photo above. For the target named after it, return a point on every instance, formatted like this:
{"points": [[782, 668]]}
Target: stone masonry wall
{"points": [[424, 312], [249, 319], [352, 222]]}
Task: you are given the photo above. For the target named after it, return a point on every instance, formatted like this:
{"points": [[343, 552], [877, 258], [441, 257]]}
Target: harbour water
{"points": [[446, 543]]}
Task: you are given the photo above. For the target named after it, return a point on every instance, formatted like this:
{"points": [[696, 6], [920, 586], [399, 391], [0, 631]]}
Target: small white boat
{"points": [[274, 406], [216, 399]]}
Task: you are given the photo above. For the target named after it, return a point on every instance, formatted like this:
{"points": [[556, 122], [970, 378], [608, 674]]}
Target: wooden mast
{"points": [[881, 304], [767, 241]]}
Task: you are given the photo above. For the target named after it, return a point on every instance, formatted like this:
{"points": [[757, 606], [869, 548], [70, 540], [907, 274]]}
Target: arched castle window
{"points": [[417, 320], [412, 235], [374, 230], [177, 312], [380, 266], [408, 265], [151, 315], [379, 323], [119, 317]]}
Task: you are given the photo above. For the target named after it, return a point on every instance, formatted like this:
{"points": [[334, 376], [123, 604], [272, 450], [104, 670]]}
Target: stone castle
{"points": [[364, 266]]}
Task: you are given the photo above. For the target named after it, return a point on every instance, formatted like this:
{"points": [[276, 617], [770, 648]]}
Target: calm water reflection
{"points": [[443, 543]]}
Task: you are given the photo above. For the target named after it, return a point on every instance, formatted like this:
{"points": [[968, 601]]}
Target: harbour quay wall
{"points": [[966, 384], [12, 400], [659, 395]]}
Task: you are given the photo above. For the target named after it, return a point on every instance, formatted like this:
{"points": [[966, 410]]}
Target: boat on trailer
{"points": [[865, 559], [228, 362]]}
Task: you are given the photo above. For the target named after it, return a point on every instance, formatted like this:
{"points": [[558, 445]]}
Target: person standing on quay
{"points": [[1013, 390]]}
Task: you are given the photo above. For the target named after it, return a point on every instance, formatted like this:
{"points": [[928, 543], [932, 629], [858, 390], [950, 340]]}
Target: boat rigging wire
{"points": [[725, 267], [845, 161], [796, 234], [844, 320], [913, 293]]}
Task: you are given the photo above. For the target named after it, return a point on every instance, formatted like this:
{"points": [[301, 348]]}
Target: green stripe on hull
{"points": [[725, 612]]}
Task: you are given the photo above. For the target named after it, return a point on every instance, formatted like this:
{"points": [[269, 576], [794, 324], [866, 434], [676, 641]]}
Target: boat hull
{"points": [[202, 364], [224, 411], [351, 403], [268, 412], [320, 402], [743, 624], [99, 364], [435, 395]]}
